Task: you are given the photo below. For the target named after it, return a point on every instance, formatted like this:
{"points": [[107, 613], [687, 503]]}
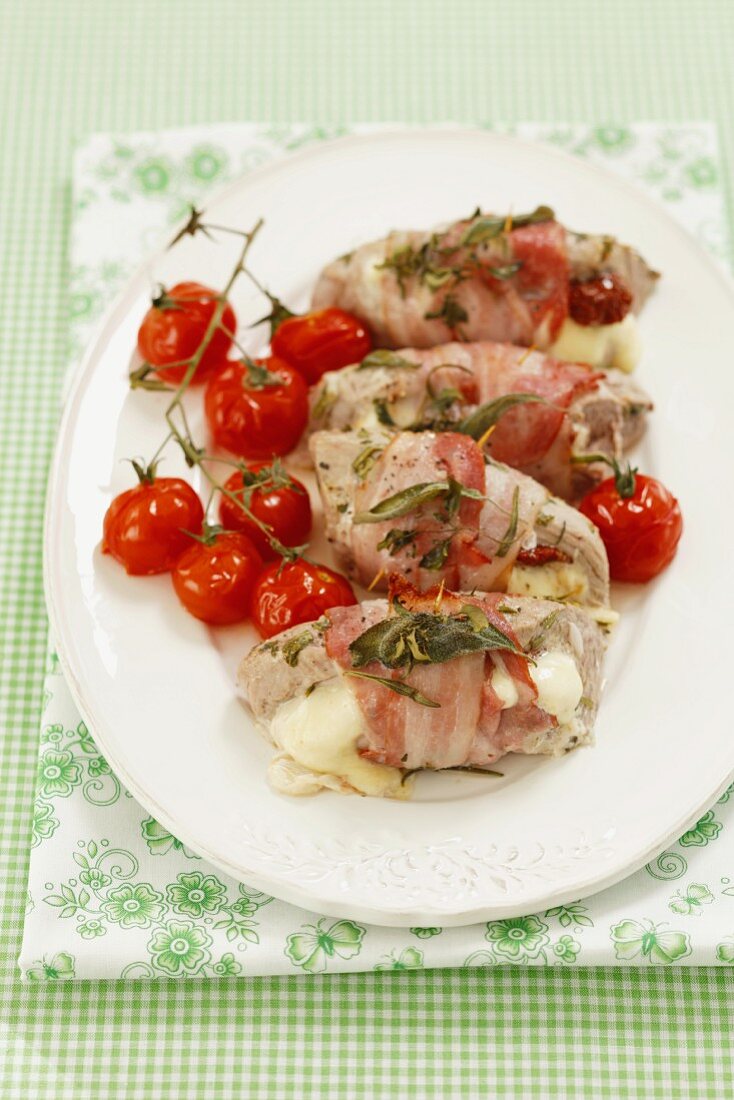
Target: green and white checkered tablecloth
{"points": [[66, 69]]}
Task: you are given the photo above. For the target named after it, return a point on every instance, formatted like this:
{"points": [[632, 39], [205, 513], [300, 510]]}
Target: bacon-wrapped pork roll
{"points": [[524, 279], [370, 692], [542, 411], [429, 507]]}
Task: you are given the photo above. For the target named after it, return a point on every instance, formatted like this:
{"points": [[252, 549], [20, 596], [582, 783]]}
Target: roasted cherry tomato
{"points": [[214, 578], [273, 497], [257, 409], [639, 521], [174, 327], [296, 592], [325, 340], [145, 527]]}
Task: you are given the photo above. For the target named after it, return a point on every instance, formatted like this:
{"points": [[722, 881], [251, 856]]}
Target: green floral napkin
{"points": [[111, 893]]}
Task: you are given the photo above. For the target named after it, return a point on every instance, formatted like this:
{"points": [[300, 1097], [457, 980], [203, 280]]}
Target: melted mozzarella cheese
{"points": [[503, 685], [605, 617], [320, 732], [559, 684], [553, 581], [599, 345]]}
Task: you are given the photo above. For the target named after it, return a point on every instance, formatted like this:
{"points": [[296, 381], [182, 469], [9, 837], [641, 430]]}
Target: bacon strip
{"points": [[526, 433]]}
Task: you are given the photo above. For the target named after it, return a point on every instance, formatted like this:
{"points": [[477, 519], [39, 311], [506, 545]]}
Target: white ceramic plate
{"points": [[156, 687]]}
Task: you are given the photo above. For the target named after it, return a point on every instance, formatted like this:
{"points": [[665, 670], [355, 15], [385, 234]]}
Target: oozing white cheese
{"points": [[321, 730], [503, 685], [552, 581], [605, 617], [559, 684], [599, 345]]}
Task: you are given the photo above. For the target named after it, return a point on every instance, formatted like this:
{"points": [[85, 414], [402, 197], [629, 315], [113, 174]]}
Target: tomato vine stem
{"points": [[179, 429]]}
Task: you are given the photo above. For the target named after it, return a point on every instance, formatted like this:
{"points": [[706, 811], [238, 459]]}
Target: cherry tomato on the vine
{"points": [[257, 409], [214, 578], [327, 339], [174, 327], [288, 593], [273, 497], [145, 527], [640, 524]]}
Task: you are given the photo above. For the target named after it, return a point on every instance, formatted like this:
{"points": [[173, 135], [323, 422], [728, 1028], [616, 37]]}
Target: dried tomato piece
{"points": [[541, 555], [603, 300]]}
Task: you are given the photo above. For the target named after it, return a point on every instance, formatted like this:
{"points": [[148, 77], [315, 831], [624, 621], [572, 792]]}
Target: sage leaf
{"points": [[487, 415], [489, 226], [291, 649], [396, 539], [435, 558], [422, 637], [381, 357], [407, 500], [324, 402], [398, 686], [403, 502], [545, 625], [511, 533], [365, 460], [451, 312]]}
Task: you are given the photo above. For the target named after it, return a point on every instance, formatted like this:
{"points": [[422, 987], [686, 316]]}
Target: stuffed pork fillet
{"points": [[437, 681], [542, 411], [524, 279], [429, 507]]}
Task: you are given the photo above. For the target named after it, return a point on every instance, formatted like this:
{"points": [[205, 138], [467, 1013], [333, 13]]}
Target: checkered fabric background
{"points": [[68, 68]]}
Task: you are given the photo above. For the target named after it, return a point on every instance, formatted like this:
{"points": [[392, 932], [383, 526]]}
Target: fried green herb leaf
{"points": [[325, 401], [381, 357], [435, 558], [291, 649], [476, 616], [398, 686], [405, 262], [436, 277], [489, 226], [365, 460], [383, 413], [422, 637], [537, 639], [396, 539], [487, 415], [511, 533], [476, 771], [407, 500], [451, 312]]}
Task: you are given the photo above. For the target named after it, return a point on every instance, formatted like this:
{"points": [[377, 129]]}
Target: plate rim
{"points": [[73, 390]]}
